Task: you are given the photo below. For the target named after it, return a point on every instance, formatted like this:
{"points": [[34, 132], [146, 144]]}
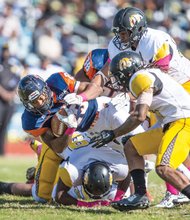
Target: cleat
{"points": [[133, 202], [181, 199], [168, 201]]}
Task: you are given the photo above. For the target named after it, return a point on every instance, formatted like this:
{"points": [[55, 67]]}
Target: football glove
{"points": [[30, 173], [73, 98], [103, 138], [69, 120]]}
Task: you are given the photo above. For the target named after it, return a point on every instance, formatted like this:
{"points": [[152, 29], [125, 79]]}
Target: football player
{"points": [[89, 173], [41, 101], [161, 94]]}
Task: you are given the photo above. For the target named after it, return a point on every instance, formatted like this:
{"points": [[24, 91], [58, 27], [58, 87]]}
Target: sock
{"points": [[171, 189], [5, 188], [186, 191], [119, 195], [138, 176]]}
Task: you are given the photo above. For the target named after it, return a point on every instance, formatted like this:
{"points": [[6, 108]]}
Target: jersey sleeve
{"points": [[88, 68], [62, 81], [94, 62], [70, 81], [140, 82], [162, 52]]}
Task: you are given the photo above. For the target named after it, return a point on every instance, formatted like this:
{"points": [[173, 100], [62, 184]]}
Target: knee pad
{"points": [[46, 171]]}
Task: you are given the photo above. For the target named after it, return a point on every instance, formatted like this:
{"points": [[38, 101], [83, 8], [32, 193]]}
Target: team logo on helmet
{"points": [[125, 63], [136, 18]]}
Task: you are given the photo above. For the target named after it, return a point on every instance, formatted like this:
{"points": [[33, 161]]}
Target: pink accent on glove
{"points": [[109, 60], [70, 131], [84, 97], [93, 204], [119, 195]]}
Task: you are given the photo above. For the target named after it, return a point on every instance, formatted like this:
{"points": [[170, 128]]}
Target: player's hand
{"points": [[103, 138], [30, 173], [70, 119], [73, 98]]}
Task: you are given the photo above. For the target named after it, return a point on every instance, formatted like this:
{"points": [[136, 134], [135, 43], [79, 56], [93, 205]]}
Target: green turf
{"points": [[12, 207]]}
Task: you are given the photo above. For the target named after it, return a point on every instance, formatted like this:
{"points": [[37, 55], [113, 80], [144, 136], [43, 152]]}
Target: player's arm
{"points": [[133, 121], [100, 77], [95, 88], [57, 144], [138, 116], [89, 90], [81, 76], [63, 197]]}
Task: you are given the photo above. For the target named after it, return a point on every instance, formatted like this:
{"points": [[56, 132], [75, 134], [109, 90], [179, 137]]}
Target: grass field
{"points": [[12, 207]]}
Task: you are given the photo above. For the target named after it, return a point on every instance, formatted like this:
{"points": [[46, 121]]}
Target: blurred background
{"points": [[45, 36]]}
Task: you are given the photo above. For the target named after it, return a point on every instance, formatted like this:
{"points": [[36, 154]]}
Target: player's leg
{"points": [[138, 145], [173, 151], [45, 174], [18, 189]]}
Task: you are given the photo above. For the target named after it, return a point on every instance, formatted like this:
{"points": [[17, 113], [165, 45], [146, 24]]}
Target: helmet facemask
{"points": [[47, 104], [123, 66], [30, 88], [117, 81], [120, 80], [117, 41]]}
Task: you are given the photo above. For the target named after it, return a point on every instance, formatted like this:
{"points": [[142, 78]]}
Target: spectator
{"points": [[8, 84]]}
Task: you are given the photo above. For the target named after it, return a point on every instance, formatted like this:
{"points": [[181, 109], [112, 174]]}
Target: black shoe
{"points": [[5, 188], [135, 201], [1, 188]]}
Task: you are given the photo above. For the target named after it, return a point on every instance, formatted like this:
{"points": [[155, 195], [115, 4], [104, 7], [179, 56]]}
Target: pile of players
{"points": [[107, 138]]}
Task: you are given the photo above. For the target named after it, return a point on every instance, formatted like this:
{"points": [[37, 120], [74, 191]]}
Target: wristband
{"points": [[70, 131], [109, 60], [84, 97]]}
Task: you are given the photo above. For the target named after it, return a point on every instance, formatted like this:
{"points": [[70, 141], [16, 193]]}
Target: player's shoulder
{"points": [[154, 35], [141, 81], [29, 120]]}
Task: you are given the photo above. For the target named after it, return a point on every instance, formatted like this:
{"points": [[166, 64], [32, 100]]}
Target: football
{"points": [[58, 128]]}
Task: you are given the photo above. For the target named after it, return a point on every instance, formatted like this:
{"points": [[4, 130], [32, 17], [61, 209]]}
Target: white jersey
{"points": [[83, 156], [111, 113], [112, 116], [156, 44], [170, 101]]}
